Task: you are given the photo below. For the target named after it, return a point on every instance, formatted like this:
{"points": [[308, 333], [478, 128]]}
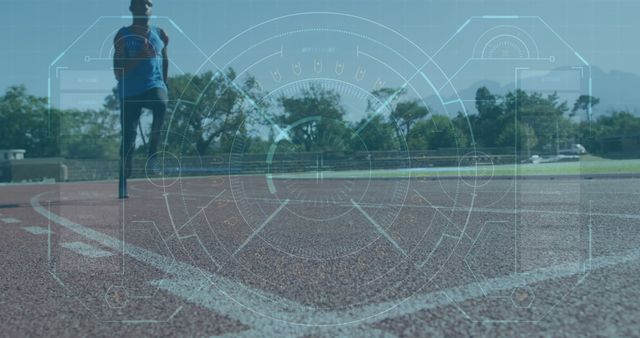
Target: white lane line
{"points": [[284, 204], [557, 193], [271, 315], [36, 230], [388, 310], [10, 220], [534, 211], [475, 290], [252, 307], [86, 250], [379, 229], [328, 323]]}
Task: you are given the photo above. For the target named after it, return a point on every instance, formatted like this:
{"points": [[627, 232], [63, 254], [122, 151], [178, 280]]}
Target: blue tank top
{"points": [[147, 72]]}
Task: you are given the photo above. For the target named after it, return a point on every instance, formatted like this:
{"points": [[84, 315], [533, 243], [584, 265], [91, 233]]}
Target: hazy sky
{"points": [[34, 32]]}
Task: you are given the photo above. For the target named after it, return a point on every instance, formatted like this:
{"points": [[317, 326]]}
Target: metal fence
{"points": [[219, 164]]}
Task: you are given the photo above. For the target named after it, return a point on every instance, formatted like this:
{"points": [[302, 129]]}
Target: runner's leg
{"points": [[130, 111], [159, 109]]}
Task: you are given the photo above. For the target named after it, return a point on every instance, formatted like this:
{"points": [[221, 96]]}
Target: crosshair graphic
{"points": [[300, 207], [358, 243], [315, 193]]}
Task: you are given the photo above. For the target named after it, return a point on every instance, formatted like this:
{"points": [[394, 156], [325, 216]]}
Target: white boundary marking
{"points": [[239, 302], [36, 230], [86, 249]]}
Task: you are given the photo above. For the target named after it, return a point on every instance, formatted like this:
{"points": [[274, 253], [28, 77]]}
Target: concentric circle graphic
{"points": [[291, 189], [307, 202], [165, 166], [480, 169], [314, 188]]}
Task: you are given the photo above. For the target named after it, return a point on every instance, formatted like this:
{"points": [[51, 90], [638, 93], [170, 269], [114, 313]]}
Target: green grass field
{"points": [[587, 165]]}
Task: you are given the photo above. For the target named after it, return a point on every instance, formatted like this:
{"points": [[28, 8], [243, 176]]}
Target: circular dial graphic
{"points": [[305, 172], [319, 168], [291, 181], [314, 186]]}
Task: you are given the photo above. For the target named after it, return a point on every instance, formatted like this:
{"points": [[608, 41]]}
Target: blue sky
{"points": [[34, 32]]}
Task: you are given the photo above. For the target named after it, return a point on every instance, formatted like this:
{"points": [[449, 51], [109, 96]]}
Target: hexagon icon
{"points": [[522, 297], [116, 296]]}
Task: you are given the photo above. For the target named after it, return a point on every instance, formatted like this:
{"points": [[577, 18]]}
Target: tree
{"points": [[445, 134], [210, 107], [315, 120], [26, 123], [384, 99], [407, 114], [404, 114], [463, 126], [377, 134], [90, 134], [490, 118], [618, 123], [585, 103], [434, 133], [615, 124], [517, 135], [544, 115]]}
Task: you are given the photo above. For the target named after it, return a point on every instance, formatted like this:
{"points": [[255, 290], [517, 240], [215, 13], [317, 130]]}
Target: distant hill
{"points": [[617, 90]]}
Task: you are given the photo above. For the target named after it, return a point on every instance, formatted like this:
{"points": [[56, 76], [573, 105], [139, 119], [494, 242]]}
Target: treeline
{"points": [[210, 110], [26, 123]]}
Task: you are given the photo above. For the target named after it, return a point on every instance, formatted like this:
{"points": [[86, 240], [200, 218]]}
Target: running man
{"points": [[140, 64]]}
